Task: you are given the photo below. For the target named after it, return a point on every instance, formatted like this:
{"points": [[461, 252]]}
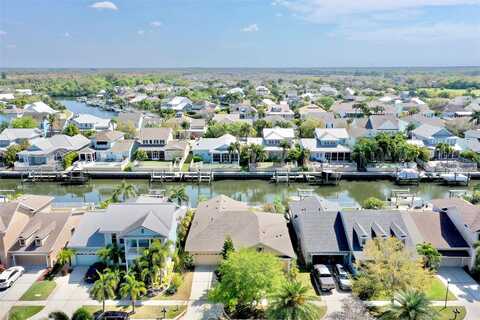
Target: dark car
{"points": [[113, 315], [91, 276]]}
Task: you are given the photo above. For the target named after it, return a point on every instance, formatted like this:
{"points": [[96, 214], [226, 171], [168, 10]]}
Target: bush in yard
{"points": [[373, 203], [197, 158], [141, 155], [82, 314], [58, 315], [10, 155], [69, 158], [71, 130]]}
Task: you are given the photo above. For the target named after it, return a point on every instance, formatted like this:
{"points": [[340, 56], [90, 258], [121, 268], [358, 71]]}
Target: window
{"points": [[38, 242], [114, 238], [21, 242]]}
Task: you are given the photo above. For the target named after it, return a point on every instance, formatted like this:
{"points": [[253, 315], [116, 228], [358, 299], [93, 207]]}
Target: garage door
{"points": [[31, 261], [328, 259], [85, 259], [206, 259]]}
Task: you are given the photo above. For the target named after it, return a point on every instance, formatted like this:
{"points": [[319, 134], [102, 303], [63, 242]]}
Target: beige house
{"points": [[32, 232], [222, 217], [159, 144]]}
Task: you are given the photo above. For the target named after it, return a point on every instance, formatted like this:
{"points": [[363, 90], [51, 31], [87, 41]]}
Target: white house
{"points": [[329, 144], [216, 150], [38, 107], [262, 91], [280, 110], [271, 140], [87, 122], [178, 104]]}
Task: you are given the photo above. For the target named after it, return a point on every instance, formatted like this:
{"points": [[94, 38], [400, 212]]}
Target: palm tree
{"points": [[132, 288], [293, 302], [185, 126], [475, 117], [409, 305], [124, 190], [285, 145], [233, 148], [65, 256], [51, 121], [110, 253], [178, 194], [256, 153], [245, 129], [443, 150], [104, 288], [153, 261]]}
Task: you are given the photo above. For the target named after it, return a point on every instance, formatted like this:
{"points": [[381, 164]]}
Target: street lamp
{"points": [[164, 311], [446, 293]]}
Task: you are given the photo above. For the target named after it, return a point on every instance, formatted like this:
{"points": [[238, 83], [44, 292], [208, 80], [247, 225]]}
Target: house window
{"points": [[38, 242], [21, 242], [114, 238], [142, 231]]}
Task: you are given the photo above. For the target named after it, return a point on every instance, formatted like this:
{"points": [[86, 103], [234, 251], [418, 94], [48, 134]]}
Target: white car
{"points": [[9, 276], [343, 278]]}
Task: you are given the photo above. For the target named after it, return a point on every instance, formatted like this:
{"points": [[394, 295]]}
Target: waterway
{"points": [[346, 194], [82, 107]]}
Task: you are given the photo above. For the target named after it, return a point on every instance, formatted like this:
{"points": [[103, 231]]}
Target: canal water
{"points": [[82, 107], [347, 193]]}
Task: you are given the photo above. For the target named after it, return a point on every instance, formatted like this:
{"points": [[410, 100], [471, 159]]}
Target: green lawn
{"points": [[183, 292], [143, 312], [436, 292], [453, 92], [23, 312], [40, 290], [154, 164], [447, 314]]}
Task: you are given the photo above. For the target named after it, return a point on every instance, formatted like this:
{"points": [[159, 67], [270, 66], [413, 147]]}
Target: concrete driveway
{"points": [[461, 284], [198, 307], [9, 296]]}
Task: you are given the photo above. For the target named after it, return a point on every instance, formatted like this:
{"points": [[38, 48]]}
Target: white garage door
{"points": [[206, 259], [85, 259]]}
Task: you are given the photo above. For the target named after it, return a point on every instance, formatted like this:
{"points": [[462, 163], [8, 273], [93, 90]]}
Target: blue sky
{"points": [[239, 33]]}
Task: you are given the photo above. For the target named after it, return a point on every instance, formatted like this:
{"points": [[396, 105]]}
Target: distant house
{"points": [[282, 110], [38, 107], [346, 110], [222, 217], [216, 150], [262, 91], [134, 119], [245, 111], [328, 145], [131, 226], [178, 104], [349, 94], [271, 140], [229, 118], [433, 135], [88, 122], [32, 232], [385, 124], [328, 91], [310, 110], [236, 90], [108, 146], [11, 136], [48, 153], [159, 144]]}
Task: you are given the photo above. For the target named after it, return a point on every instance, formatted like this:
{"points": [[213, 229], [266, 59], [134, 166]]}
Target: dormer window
{"points": [[21, 242], [38, 242]]}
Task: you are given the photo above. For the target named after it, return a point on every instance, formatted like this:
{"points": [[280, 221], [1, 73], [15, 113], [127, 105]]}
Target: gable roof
{"points": [[470, 213], [428, 131], [331, 133], [59, 141], [11, 134], [213, 143], [154, 133], [108, 135], [29, 203], [39, 107], [278, 133]]}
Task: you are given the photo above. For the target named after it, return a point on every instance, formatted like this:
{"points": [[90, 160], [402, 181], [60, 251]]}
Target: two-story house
{"points": [[11, 136], [262, 91], [158, 143], [272, 139], [216, 150], [281, 110], [178, 104], [385, 124], [245, 111], [131, 226], [430, 136], [88, 122], [329, 144], [108, 146]]}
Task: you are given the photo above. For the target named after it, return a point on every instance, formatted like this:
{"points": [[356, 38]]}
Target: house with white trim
{"points": [[329, 145]]}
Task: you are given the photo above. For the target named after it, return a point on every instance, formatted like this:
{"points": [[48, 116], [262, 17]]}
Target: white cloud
{"points": [[67, 34], [141, 32], [156, 24], [104, 5], [3, 33], [329, 11], [250, 28]]}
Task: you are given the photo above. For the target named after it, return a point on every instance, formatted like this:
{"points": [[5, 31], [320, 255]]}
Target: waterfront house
{"points": [[158, 143], [107, 146], [216, 150], [222, 217], [10, 136], [9, 113], [88, 122], [38, 107], [262, 91], [32, 231], [48, 153], [272, 139], [385, 124], [433, 135], [131, 226], [329, 144]]}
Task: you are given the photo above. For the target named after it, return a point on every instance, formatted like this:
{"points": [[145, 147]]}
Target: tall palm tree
{"points": [[185, 126], [293, 302], [256, 153], [443, 150], [233, 148], [409, 305], [178, 194], [153, 261], [132, 288], [245, 129], [51, 121], [475, 117], [125, 190], [285, 145], [104, 288], [65, 256]]}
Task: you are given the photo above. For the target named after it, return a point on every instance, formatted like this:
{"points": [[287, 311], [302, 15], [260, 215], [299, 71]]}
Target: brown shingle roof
{"points": [[469, 212]]}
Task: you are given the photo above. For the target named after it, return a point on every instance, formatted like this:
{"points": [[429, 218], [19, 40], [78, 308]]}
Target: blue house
{"points": [[216, 150]]}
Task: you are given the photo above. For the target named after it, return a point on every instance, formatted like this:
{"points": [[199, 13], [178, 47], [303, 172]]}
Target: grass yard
{"points": [[304, 277], [143, 312], [453, 92], [183, 292], [23, 312], [40, 290], [436, 292], [447, 314], [155, 164]]}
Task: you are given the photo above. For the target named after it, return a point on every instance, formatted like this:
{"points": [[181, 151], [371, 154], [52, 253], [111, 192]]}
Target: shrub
{"points": [[58, 315], [69, 158], [197, 158], [141, 155], [373, 203], [82, 314], [128, 168]]}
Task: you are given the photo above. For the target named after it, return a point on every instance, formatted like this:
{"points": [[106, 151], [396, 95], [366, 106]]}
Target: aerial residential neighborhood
{"points": [[270, 160]]}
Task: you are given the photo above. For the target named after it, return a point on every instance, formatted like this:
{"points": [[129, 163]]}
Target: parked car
{"points": [[113, 315], [9, 276], [91, 275], [343, 278], [323, 277]]}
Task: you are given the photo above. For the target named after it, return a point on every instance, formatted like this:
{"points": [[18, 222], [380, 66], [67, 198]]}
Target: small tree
{"points": [[82, 314], [26, 122], [178, 194], [10, 155], [228, 247], [71, 130], [373, 203], [69, 158], [58, 315], [104, 288], [430, 254], [141, 155], [65, 256], [132, 288]]}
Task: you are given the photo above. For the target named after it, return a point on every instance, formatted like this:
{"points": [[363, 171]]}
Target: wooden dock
{"points": [[194, 176]]}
